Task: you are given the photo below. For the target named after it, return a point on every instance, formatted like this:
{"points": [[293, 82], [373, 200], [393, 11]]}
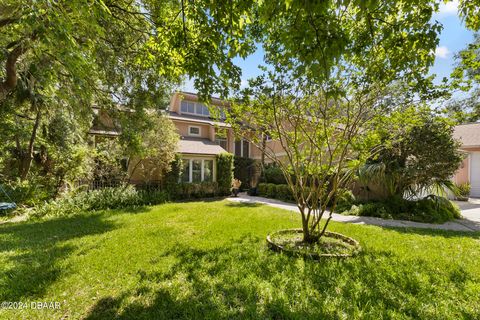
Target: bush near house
{"points": [[224, 173], [273, 174], [275, 191], [243, 170]]}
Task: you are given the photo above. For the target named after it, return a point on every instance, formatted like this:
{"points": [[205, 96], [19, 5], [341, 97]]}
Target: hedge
{"points": [[224, 173], [276, 191]]}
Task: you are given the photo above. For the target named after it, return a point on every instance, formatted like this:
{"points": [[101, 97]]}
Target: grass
{"points": [[292, 240], [209, 260]]}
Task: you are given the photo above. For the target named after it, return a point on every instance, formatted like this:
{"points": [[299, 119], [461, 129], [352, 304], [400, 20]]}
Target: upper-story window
{"points": [[194, 131], [199, 109], [195, 108], [242, 148]]}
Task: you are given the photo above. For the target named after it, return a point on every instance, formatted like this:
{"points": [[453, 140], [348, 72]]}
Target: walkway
{"points": [[470, 212]]}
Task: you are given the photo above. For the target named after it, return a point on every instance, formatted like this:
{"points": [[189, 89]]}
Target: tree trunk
{"points": [[308, 237], [10, 81], [27, 157]]}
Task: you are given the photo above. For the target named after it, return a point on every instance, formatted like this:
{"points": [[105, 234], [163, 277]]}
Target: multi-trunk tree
{"points": [[328, 68]]}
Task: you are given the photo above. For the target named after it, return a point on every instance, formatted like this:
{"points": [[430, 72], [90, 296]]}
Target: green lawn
{"points": [[209, 260]]}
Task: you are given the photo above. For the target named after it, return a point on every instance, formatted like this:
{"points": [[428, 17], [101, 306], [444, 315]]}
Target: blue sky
{"points": [[453, 38]]}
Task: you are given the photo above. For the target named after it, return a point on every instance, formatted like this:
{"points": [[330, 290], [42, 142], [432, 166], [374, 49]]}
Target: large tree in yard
{"points": [[329, 67], [63, 57]]}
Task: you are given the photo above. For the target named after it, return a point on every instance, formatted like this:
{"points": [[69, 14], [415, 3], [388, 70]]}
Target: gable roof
{"points": [[468, 134]]}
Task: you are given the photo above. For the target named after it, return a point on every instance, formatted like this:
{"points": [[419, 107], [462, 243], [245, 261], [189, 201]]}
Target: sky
{"points": [[453, 38]]}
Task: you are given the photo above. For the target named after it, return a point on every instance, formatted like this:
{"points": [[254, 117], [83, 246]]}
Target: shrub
{"points": [[273, 174], [462, 191], [431, 209], [276, 191], [243, 171], [224, 172], [107, 198], [28, 192], [345, 200]]}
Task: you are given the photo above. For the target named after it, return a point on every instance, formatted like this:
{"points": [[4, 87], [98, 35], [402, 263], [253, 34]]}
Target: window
{"points": [[221, 138], [197, 170], [186, 171], [195, 108], [238, 148], [222, 142], [193, 131], [242, 148], [188, 107], [208, 170]]}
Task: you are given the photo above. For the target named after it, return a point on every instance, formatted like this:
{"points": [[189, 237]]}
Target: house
{"points": [[202, 136], [469, 171]]}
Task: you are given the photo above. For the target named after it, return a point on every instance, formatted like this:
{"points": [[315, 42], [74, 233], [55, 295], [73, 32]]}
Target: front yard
{"points": [[209, 260]]}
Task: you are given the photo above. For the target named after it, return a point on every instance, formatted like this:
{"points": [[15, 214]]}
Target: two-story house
{"points": [[202, 136]]}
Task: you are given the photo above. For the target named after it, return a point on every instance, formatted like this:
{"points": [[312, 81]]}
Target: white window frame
{"points": [[190, 170], [195, 134], [195, 105]]}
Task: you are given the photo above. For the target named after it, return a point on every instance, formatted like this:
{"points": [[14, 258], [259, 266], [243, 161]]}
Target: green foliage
{"points": [[28, 192], [243, 169], [107, 159], [275, 191], [187, 191], [107, 198], [172, 177], [149, 155], [431, 209], [273, 174], [224, 172], [418, 153], [462, 190]]}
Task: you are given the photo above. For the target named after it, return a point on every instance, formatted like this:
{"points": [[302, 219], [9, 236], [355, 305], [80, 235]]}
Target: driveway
{"points": [[470, 213]]}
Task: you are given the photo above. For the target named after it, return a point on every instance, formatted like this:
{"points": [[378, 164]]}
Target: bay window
{"points": [[197, 170]]}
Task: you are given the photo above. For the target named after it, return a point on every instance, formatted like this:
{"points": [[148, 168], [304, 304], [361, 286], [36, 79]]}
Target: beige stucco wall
{"points": [[205, 129], [462, 174]]}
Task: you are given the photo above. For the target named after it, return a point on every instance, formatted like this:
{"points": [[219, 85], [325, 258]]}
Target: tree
{"points": [[329, 66], [418, 153], [152, 151], [322, 138], [66, 56]]}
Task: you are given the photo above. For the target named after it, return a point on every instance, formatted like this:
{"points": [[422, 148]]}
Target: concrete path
{"points": [[470, 222]]}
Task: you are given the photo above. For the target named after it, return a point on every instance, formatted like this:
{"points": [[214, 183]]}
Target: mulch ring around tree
{"points": [[330, 245]]}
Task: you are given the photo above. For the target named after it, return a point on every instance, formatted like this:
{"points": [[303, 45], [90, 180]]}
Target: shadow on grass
{"points": [[434, 232], [32, 250], [243, 204], [245, 280]]}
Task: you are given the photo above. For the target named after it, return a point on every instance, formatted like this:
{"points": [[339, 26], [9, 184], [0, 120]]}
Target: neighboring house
{"points": [[202, 136], [469, 171]]}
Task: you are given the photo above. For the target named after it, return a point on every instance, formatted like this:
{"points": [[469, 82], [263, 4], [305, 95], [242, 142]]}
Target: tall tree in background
{"points": [[466, 75]]}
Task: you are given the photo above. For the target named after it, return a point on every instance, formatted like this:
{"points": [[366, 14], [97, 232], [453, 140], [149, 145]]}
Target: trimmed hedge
{"points": [[224, 173], [273, 174], [275, 191]]}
